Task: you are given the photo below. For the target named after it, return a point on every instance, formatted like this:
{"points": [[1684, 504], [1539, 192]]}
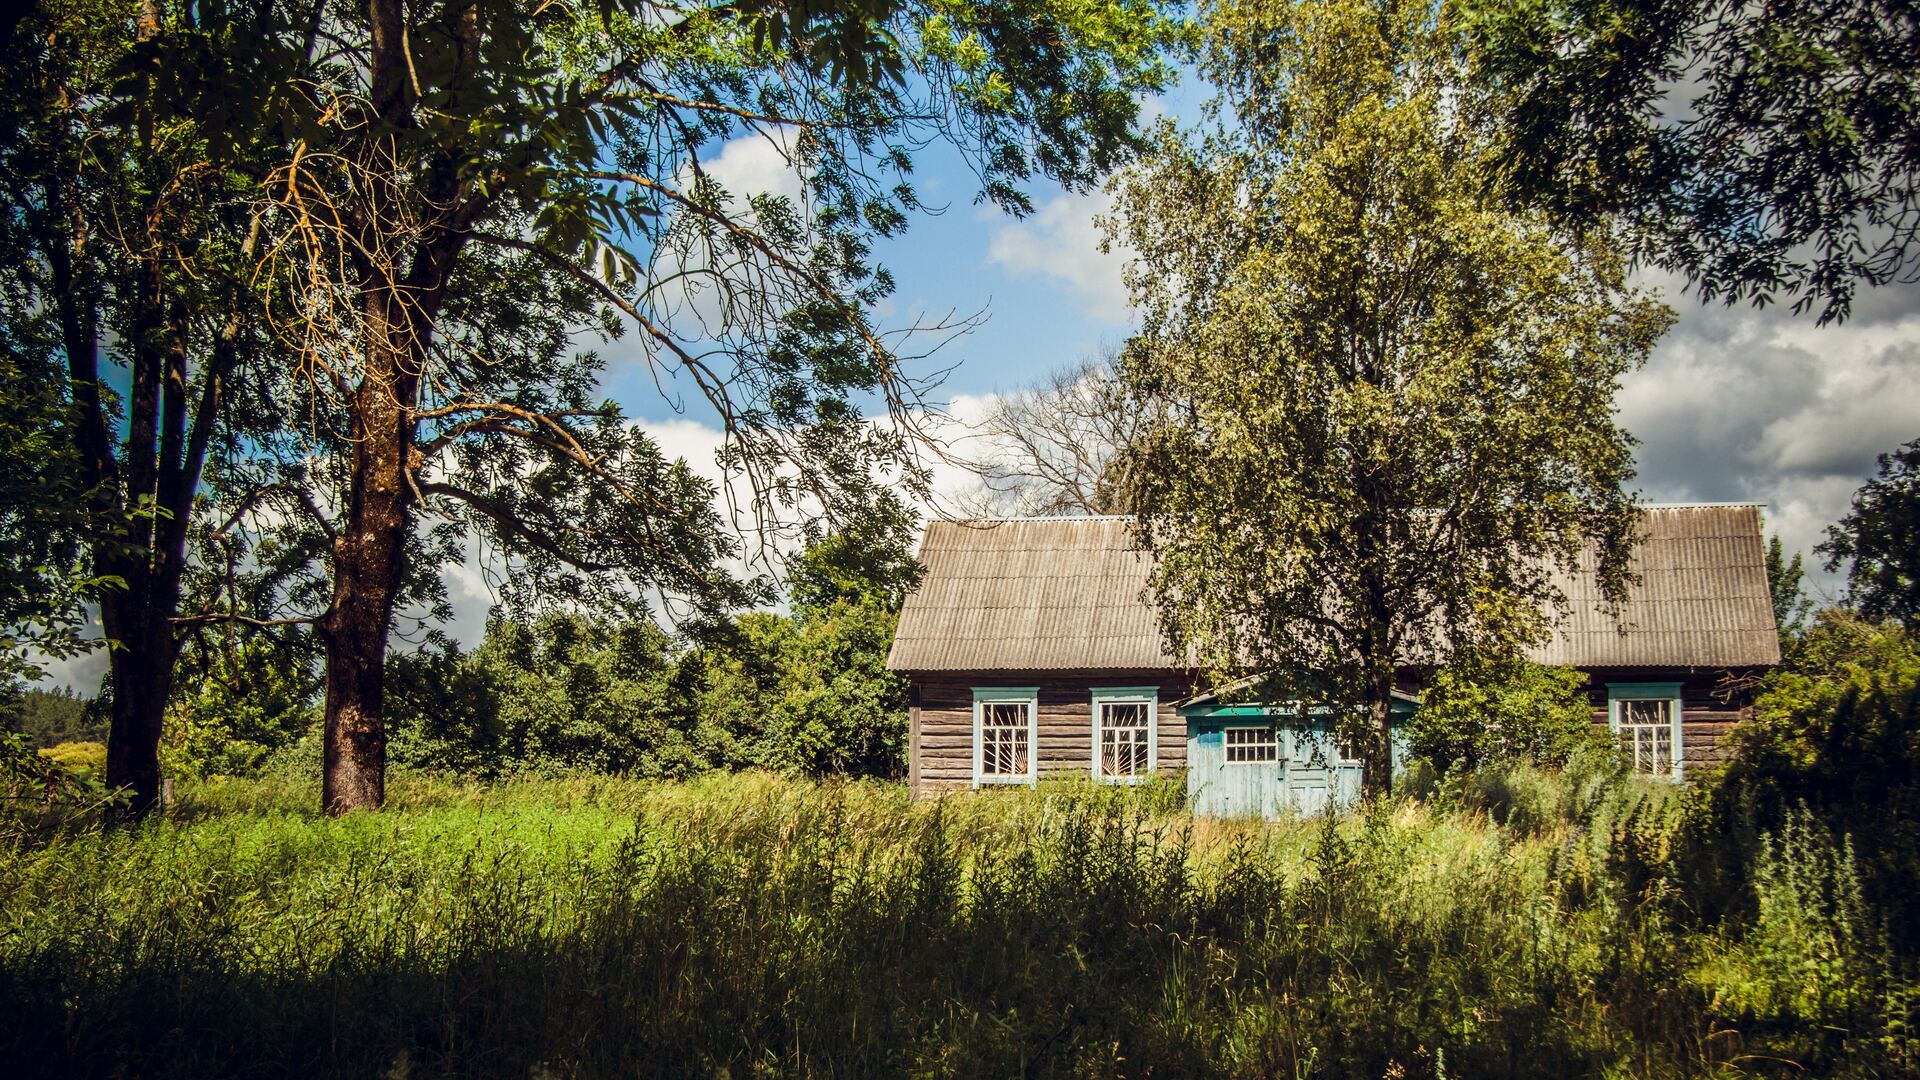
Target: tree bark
{"points": [[1376, 775], [138, 622], [370, 548], [369, 557]]}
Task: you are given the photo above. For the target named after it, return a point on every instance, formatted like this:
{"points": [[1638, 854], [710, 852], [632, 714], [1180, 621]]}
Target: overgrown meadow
{"points": [[1522, 923]]}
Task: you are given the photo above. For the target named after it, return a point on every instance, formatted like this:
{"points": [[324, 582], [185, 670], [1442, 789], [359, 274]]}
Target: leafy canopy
{"points": [[1491, 708], [1878, 541], [1766, 151]]}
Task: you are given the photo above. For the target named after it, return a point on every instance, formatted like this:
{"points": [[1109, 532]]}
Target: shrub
{"points": [[235, 702], [87, 757], [1836, 729], [1491, 708]]}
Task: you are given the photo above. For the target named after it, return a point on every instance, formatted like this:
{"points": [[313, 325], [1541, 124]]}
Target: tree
{"points": [[835, 709], [1395, 394], [452, 158], [560, 693], [1053, 448], [240, 696], [871, 564], [832, 705], [1879, 541], [1784, 582], [47, 717], [127, 252], [1763, 150], [44, 581]]}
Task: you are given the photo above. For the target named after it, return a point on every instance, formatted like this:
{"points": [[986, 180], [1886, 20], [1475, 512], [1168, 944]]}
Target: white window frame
{"points": [[1002, 695], [1279, 748], [1127, 695], [1618, 694]]}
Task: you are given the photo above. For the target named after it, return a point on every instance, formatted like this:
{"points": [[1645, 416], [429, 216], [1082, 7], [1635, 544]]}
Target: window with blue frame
{"points": [[1646, 719], [1125, 723], [1005, 727]]}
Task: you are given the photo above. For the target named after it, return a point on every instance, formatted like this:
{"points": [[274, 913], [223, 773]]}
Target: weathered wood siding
{"points": [[940, 735], [1712, 702]]}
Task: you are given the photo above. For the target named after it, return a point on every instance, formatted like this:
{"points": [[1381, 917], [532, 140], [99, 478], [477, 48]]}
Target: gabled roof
{"points": [[1068, 594]]}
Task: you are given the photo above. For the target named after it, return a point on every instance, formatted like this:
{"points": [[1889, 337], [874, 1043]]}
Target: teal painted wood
{"points": [[1309, 779], [1216, 789]]}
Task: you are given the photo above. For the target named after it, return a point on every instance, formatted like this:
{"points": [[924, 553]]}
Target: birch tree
{"points": [[1396, 395]]}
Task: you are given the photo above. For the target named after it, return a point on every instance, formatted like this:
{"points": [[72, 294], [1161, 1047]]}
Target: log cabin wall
{"points": [[1712, 702], [940, 722]]}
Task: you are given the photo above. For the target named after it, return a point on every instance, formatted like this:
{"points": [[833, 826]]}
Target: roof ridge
{"points": [[1014, 520], [1036, 517]]}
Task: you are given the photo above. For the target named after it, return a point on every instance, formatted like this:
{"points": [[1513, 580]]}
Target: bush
{"points": [[235, 703], [1493, 708], [1837, 730], [86, 757]]}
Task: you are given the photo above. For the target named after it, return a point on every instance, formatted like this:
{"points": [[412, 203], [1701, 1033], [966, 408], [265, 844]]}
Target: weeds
{"points": [[747, 925]]}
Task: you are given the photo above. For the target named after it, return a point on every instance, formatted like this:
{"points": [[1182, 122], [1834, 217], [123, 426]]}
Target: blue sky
{"points": [[967, 259]]}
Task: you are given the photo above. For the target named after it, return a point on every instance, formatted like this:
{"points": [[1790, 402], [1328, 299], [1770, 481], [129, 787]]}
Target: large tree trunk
{"points": [[370, 549], [142, 667], [369, 557]]}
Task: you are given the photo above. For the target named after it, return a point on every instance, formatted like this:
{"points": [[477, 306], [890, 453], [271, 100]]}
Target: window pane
{"points": [[1248, 745], [1124, 732], [1003, 738], [1646, 735]]}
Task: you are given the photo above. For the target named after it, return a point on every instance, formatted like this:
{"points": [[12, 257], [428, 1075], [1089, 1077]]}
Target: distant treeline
{"points": [[51, 717], [804, 692]]}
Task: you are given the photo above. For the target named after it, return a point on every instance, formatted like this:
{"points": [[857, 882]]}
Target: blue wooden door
{"points": [[1307, 788], [1319, 776]]}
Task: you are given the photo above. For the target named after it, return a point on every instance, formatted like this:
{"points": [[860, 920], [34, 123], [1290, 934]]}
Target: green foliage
{"points": [[1486, 708], [1879, 541], [43, 580], [832, 706], [1836, 729], [236, 702], [1761, 149], [807, 692], [1813, 960], [80, 757], [836, 709], [47, 717], [1791, 605], [747, 925], [872, 566], [564, 692], [42, 790], [1390, 396]]}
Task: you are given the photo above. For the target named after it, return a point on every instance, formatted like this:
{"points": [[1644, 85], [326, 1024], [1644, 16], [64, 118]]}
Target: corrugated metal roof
{"points": [[1057, 594]]}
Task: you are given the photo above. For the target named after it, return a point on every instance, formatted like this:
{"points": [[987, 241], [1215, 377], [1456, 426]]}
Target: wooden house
{"points": [[1032, 649]]}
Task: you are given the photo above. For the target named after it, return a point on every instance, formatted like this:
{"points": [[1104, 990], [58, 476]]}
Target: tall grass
{"points": [[746, 925]]}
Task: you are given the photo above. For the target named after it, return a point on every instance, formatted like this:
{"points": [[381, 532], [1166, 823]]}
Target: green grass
{"points": [[746, 925]]}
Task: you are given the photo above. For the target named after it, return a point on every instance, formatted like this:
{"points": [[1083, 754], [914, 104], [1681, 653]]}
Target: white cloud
{"points": [[754, 165], [1061, 242], [1760, 404]]}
